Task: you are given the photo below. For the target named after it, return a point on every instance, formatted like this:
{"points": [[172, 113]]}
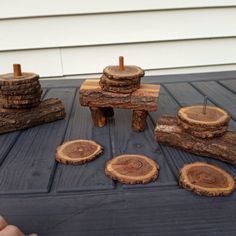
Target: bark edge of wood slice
{"points": [[129, 168], [210, 119], [66, 154], [201, 178]]}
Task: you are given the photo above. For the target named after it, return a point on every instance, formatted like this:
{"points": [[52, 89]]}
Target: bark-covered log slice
{"points": [[17, 87], [129, 72], [19, 92], [10, 79], [214, 116], [119, 83], [223, 148], [16, 119], [205, 179], [132, 169], [22, 97], [78, 151]]}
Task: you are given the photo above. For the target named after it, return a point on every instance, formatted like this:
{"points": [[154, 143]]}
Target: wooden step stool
{"points": [[101, 103]]}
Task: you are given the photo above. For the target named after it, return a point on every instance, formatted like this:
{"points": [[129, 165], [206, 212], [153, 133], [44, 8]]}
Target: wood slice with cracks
{"points": [[205, 179], [132, 169], [78, 151]]}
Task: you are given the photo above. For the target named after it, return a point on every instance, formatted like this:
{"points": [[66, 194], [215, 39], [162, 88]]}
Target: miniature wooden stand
{"points": [[121, 89], [20, 102], [219, 146], [77, 152], [132, 169], [205, 179]]}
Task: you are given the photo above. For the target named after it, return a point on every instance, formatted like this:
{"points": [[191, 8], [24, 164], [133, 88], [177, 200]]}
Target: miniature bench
{"points": [[101, 103]]}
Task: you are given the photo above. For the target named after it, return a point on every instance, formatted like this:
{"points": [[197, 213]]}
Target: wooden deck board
{"points": [[89, 176], [52, 199], [30, 163]]}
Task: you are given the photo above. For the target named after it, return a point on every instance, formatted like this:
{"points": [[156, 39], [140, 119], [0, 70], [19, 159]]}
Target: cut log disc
{"points": [[10, 79], [130, 72], [132, 169], [78, 151], [119, 83], [205, 179], [214, 116]]}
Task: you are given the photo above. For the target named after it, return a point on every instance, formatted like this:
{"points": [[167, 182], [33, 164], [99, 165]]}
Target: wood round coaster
{"points": [[132, 169], [119, 83], [203, 132], [33, 96], [78, 151], [10, 79], [124, 89], [205, 179], [129, 72], [194, 115], [26, 86], [20, 92], [20, 106]]}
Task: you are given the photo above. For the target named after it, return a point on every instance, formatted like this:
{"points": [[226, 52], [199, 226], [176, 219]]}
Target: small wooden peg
{"points": [[121, 63], [17, 70]]}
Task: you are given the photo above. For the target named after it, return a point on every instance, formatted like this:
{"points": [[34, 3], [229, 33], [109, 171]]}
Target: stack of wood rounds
{"points": [[19, 90], [209, 124], [121, 79]]}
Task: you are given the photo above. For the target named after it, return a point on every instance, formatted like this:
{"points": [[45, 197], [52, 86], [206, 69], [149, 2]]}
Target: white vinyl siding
{"points": [[63, 38]]}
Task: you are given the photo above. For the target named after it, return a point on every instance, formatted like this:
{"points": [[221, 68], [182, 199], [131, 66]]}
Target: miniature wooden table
{"points": [[42, 196], [101, 103]]}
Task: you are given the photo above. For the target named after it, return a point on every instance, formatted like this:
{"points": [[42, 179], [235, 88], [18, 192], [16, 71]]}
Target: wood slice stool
{"points": [[205, 179]]}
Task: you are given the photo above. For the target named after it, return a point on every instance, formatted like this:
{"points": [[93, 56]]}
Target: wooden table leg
{"points": [[139, 120], [98, 116], [108, 111]]}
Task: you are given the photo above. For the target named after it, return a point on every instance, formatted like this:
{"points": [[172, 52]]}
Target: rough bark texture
{"points": [[168, 131], [132, 169], [77, 152], [139, 120], [145, 98], [119, 83], [98, 116], [14, 119], [205, 179]]}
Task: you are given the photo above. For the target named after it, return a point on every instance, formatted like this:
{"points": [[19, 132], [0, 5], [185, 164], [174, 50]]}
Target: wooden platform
{"points": [[42, 196]]}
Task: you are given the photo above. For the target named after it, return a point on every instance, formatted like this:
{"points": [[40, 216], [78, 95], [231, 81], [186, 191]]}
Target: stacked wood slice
{"points": [[121, 79], [19, 90], [205, 179], [211, 123], [77, 152], [132, 169], [20, 102]]}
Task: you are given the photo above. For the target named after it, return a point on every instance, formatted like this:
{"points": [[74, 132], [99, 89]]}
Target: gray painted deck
{"points": [[39, 195]]}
